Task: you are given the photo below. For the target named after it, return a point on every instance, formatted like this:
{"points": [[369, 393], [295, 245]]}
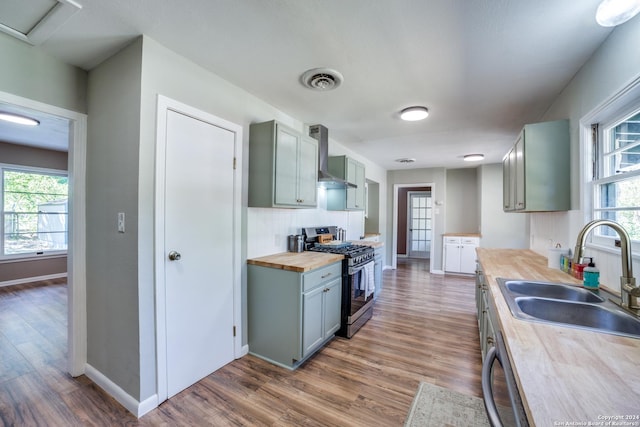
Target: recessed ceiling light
{"points": [[21, 120], [405, 160], [615, 12], [473, 157], [412, 114]]}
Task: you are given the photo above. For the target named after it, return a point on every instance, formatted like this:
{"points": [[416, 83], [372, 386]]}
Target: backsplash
{"points": [[268, 228], [563, 227]]}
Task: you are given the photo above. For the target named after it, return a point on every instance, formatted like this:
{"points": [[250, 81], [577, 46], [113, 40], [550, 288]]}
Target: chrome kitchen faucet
{"points": [[629, 291]]}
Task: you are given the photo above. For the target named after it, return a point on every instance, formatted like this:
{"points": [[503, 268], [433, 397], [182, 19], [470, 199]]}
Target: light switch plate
{"points": [[120, 222]]}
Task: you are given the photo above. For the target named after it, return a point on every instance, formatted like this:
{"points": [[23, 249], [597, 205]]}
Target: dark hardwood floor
{"points": [[424, 329]]}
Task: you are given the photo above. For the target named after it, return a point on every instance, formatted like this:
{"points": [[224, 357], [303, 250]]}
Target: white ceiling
{"points": [[484, 68]]}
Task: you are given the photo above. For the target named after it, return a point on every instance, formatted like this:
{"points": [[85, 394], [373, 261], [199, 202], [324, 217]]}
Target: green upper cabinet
{"points": [[536, 169], [283, 167], [354, 173]]}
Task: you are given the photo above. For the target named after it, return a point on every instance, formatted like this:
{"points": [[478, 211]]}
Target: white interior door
{"points": [[420, 219], [198, 245]]}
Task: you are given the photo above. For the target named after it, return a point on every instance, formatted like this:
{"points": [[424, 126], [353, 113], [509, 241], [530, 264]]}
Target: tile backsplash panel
{"points": [[268, 228]]}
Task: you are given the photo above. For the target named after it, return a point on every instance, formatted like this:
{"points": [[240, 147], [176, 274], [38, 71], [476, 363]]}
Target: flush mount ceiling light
{"points": [[405, 160], [321, 79], [21, 120], [473, 157], [615, 12], [412, 114]]}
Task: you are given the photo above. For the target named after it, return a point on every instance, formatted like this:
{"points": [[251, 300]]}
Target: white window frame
{"points": [[27, 255], [608, 114]]}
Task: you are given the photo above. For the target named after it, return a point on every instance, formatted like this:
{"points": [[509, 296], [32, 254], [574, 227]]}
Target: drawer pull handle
{"points": [[325, 276]]}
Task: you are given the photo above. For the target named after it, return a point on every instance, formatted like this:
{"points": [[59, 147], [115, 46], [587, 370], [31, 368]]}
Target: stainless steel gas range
{"points": [[357, 276]]}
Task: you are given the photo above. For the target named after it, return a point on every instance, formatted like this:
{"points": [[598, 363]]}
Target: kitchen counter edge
{"points": [[563, 374], [300, 262]]}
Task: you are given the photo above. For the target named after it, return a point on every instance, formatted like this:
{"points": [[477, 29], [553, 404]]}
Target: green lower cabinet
{"points": [[321, 319], [291, 315]]}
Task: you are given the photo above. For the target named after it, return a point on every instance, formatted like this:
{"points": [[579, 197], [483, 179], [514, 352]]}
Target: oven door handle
{"points": [[487, 389]]}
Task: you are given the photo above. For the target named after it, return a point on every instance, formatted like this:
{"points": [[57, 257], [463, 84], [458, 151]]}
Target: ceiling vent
{"points": [[405, 160], [321, 79]]}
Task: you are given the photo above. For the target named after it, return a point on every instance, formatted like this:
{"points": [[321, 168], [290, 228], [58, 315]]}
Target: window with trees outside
{"points": [[34, 211], [616, 182]]}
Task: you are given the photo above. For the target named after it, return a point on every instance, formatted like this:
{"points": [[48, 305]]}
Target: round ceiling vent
{"points": [[321, 79], [406, 160]]}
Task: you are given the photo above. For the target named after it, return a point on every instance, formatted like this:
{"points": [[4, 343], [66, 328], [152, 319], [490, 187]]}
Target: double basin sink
{"points": [[567, 305]]}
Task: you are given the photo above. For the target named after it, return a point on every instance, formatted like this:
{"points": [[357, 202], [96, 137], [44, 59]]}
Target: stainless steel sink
{"points": [[552, 290], [567, 305]]}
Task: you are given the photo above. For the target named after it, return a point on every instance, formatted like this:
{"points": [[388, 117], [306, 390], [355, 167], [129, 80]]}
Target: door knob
{"points": [[174, 256]]}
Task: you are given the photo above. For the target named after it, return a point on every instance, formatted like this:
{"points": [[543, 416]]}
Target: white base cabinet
{"points": [[460, 254], [291, 315]]}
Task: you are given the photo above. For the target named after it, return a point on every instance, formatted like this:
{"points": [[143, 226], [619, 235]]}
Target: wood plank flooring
{"points": [[423, 329]]}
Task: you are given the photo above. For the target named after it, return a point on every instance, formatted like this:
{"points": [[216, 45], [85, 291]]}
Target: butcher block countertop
{"points": [[300, 262], [565, 375], [367, 243]]}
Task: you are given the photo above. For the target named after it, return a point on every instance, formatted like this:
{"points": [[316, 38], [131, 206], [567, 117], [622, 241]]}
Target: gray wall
{"points": [[113, 143], [462, 201], [614, 66], [498, 229], [35, 157], [32, 74]]}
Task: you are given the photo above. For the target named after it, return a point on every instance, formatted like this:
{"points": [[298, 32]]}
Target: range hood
{"points": [[325, 179]]}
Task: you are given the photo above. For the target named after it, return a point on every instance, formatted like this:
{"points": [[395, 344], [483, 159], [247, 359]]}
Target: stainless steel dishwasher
{"points": [[497, 376]]}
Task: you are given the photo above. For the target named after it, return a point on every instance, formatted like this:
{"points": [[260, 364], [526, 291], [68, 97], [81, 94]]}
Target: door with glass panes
{"points": [[420, 220]]}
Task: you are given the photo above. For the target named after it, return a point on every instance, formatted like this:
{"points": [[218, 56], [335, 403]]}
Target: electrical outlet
{"points": [[120, 222]]}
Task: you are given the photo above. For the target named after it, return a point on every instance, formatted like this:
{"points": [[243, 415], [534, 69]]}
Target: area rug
{"points": [[437, 406]]}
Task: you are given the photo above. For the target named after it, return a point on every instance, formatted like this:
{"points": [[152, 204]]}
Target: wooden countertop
{"points": [[564, 374], [296, 261], [462, 235], [367, 243]]}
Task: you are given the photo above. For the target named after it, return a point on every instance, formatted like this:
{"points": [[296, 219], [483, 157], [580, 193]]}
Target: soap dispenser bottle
{"points": [[591, 276]]}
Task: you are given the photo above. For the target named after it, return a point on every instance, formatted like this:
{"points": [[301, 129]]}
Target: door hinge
{"points": [[234, 163], [234, 331]]}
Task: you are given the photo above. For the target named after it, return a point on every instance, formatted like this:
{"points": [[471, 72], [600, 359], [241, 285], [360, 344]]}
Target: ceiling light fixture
{"points": [[21, 120], [615, 12], [412, 114], [473, 157]]}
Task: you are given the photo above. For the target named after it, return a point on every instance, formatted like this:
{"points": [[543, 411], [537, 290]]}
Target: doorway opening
{"points": [[415, 198], [75, 142]]}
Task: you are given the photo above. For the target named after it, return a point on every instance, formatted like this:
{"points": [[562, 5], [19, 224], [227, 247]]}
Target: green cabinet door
{"points": [[332, 303], [286, 159], [313, 328], [307, 172], [352, 171]]}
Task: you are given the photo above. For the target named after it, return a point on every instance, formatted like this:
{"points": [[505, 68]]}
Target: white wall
{"points": [[498, 228], [612, 67]]}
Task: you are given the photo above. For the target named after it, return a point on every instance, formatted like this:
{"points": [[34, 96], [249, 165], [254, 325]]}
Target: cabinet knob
{"points": [[174, 256]]}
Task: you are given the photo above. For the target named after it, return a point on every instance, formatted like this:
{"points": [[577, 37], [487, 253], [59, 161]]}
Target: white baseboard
{"points": [[438, 272], [132, 405], [244, 351], [32, 279]]}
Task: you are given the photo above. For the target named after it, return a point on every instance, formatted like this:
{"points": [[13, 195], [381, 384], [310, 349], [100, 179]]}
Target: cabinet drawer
{"points": [[470, 241], [321, 275], [454, 240]]}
